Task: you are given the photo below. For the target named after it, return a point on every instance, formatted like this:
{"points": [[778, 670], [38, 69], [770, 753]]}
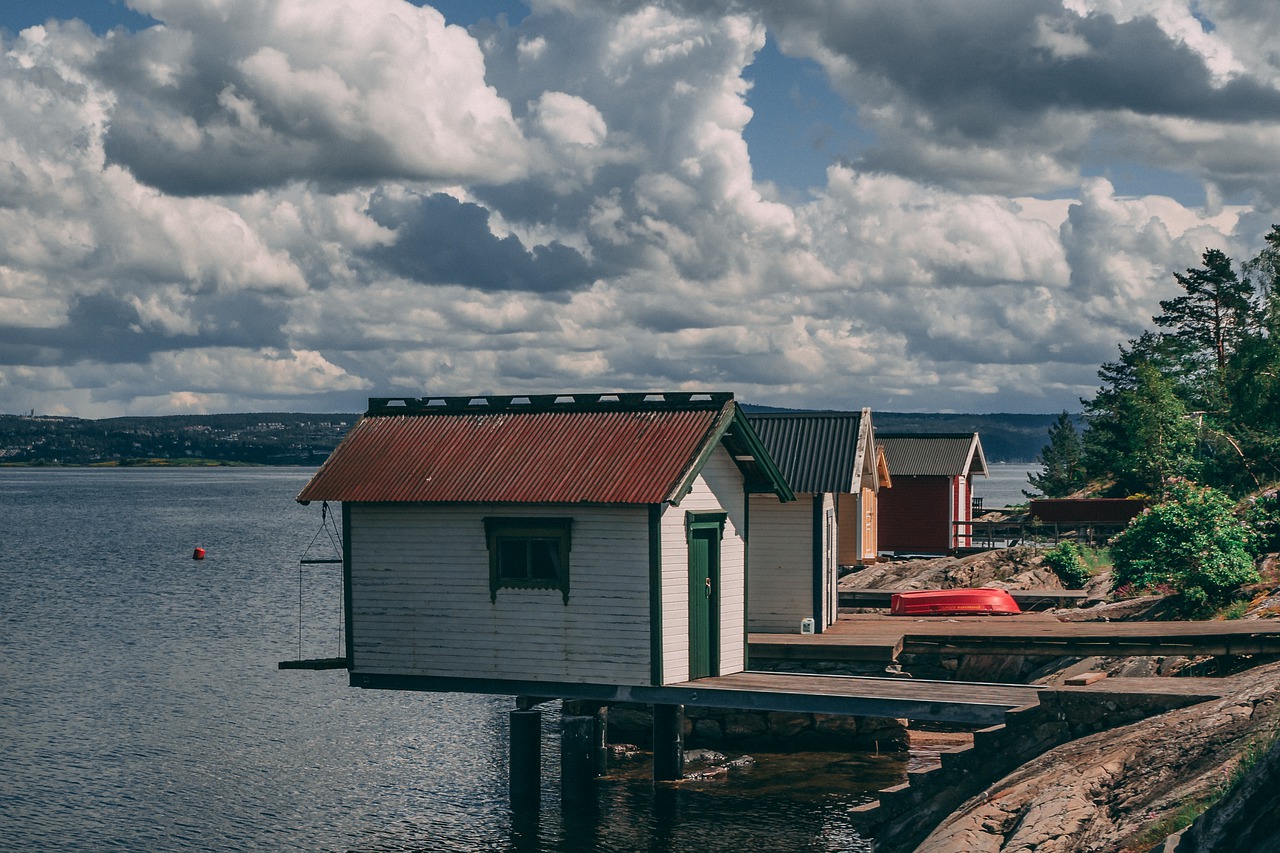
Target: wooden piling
{"points": [[668, 743], [577, 763], [524, 772], [600, 741]]}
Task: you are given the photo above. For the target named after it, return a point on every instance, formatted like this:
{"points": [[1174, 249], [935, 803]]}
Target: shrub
{"points": [[1067, 562], [1262, 518], [1192, 542]]}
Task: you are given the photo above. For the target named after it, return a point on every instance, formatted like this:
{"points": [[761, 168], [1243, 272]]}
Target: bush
{"points": [[1262, 518], [1190, 541], [1067, 562]]}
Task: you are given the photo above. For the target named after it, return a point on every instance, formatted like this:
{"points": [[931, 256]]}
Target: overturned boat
{"points": [[952, 602]]}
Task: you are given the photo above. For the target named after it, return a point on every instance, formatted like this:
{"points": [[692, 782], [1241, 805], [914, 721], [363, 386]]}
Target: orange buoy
{"points": [[198, 554]]}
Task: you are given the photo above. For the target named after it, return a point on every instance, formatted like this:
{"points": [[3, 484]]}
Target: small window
{"points": [[528, 553]]}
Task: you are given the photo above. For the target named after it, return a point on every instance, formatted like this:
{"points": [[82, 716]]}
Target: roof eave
{"points": [[732, 417]]}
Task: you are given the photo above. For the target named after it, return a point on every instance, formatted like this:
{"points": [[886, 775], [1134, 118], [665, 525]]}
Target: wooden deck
{"points": [[947, 701], [875, 637]]}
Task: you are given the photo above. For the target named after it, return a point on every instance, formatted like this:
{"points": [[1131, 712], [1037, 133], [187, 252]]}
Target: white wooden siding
{"points": [[831, 559], [421, 605], [718, 488], [781, 564]]}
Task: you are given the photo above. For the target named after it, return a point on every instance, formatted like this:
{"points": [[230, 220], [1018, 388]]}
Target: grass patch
{"points": [[1190, 810]]}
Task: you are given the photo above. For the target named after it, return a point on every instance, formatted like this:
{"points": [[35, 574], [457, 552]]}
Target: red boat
{"points": [[952, 602]]}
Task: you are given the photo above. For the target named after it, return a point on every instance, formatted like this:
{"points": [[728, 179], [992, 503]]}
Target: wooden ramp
{"points": [[945, 701], [875, 637]]}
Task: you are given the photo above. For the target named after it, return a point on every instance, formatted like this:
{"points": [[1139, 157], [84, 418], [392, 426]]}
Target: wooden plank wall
{"points": [[421, 605], [717, 488], [781, 569]]}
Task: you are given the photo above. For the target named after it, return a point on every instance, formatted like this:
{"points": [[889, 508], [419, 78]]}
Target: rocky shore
{"points": [[1131, 789]]}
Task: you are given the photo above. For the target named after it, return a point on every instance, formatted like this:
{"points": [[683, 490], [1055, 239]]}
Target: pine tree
{"points": [[1061, 461], [1209, 320]]}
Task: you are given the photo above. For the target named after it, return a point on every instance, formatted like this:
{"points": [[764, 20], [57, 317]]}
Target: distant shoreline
{"points": [[152, 463]]}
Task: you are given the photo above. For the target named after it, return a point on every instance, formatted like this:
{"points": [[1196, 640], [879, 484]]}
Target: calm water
{"points": [[1004, 486], [141, 707]]}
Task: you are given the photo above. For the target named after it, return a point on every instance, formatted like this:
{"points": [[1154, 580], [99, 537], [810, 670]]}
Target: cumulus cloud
{"points": [[1022, 86], [295, 204], [236, 95], [441, 240]]}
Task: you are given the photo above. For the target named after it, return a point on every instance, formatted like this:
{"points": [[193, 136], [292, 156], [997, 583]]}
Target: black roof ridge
{"points": [[594, 401], [801, 413]]}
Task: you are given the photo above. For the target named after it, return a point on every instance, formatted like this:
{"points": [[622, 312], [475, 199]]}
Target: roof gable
{"points": [[569, 448], [816, 451], [933, 454]]}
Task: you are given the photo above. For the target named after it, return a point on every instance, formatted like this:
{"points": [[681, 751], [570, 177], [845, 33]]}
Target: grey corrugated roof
{"points": [[815, 451], [932, 454]]}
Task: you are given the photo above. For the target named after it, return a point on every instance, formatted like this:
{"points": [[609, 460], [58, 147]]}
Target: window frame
{"points": [[504, 529]]}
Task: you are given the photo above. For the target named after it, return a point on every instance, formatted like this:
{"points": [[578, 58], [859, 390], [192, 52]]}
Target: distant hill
{"points": [[281, 438], [271, 438]]}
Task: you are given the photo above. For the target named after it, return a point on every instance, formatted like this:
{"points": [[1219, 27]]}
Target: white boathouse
{"points": [[830, 461], [561, 545]]}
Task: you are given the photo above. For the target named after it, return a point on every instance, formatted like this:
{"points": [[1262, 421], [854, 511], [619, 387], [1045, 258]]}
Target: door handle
{"points": [[708, 587]]}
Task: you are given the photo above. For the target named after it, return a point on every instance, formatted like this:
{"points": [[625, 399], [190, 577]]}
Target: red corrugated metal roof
{"points": [[629, 456]]}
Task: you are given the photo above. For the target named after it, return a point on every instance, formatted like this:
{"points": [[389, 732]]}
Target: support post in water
{"points": [[600, 741], [524, 771], [668, 743], [577, 764]]}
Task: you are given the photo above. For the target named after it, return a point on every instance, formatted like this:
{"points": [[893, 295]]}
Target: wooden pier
{"points": [[876, 637]]}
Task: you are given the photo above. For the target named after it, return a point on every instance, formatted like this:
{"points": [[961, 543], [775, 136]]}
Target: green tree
{"points": [[1209, 320], [1252, 416], [1061, 461], [1212, 411], [1107, 442], [1140, 432], [1190, 541], [1262, 274], [1160, 435]]}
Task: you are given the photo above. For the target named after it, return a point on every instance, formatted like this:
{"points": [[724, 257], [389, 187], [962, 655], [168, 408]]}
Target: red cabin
{"points": [[925, 508]]}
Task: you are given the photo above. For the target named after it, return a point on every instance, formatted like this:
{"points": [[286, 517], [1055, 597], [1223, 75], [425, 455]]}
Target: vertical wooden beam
{"points": [[346, 585], [668, 743], [745, 534], [818, 522], [524, 771], [655, 594], [600, 741], [577, 763]]}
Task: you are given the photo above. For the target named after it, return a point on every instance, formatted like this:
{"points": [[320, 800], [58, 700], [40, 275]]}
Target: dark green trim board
{"points": [[346, 582], [745, 535], [714, 519], [655, 594], [741, 442], [704, 534], [819, 521]]}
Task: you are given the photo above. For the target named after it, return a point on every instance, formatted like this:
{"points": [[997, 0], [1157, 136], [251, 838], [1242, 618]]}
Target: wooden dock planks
{"points": [[948, 701], [874, 637]]}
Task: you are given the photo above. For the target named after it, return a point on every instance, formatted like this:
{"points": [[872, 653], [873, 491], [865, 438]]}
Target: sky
{"points": [[294, 205]]}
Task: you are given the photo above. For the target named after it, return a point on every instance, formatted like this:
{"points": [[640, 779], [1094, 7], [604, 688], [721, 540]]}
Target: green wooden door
{"points": [[704, 597]]}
